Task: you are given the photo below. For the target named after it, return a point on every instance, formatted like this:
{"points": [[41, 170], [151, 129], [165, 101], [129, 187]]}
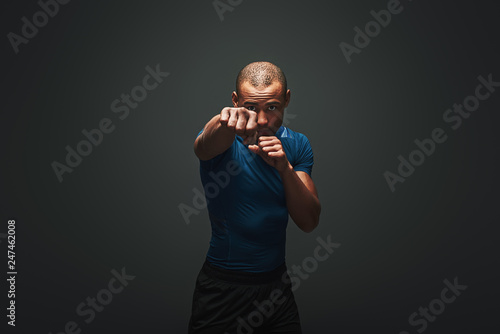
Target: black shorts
{"points": [[236, 302]]}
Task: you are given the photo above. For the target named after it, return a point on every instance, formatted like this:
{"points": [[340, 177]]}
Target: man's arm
{"points": [[301, 195], [301, 198], [219, 133], [214, 140]]}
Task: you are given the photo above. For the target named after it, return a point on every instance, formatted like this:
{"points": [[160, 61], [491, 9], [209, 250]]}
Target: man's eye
{"points": [[251, 108], [272, 108]]}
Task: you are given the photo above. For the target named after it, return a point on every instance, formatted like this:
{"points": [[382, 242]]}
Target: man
{"points": [[264, 174]]}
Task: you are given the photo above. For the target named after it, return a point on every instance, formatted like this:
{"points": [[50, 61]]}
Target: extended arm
{"points": [[219, 133], [214, 140]]}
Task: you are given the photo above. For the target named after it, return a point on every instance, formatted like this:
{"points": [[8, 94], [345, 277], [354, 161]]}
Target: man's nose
{"points": [[262, 119]]}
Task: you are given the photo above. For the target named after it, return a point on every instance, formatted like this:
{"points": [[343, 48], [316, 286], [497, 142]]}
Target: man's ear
{"points": [[234, 97], [287, 98]]}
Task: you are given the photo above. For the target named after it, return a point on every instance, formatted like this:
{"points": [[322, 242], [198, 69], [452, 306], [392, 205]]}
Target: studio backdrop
{"points": [[104, 227]]}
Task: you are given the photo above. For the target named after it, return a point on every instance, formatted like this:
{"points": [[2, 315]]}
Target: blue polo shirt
{"points": [[247, 206]]}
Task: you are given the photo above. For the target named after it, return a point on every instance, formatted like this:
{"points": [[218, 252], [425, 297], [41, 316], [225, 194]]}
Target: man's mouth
{"points": [[265, 132]]}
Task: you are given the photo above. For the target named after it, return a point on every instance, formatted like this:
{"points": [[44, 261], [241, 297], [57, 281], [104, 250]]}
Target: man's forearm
{"points": [[214, 140], [303, 206]]}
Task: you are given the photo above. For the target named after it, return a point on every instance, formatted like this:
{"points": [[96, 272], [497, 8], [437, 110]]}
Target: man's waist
{"points": [[242, 276]]}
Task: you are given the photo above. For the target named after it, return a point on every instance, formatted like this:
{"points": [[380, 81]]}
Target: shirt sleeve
{"points": [[305, 157]]}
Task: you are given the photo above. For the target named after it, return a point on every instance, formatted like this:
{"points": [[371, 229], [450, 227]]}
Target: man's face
{"points": [[268, 102]]}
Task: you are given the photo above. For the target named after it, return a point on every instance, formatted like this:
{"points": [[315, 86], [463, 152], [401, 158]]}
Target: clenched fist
{"points": [[270, 149], [241, 121]]}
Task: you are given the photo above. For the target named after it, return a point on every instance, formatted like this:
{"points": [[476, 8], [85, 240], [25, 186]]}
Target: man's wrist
{"points": [[287, 170], [219, 127]]}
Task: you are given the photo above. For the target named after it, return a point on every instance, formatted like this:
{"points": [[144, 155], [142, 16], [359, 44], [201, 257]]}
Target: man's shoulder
{"points": [[291, 135]]}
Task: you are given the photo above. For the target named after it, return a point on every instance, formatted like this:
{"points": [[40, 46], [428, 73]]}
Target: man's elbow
{"points": [[308, 228], [199, 152], [314, 222]]}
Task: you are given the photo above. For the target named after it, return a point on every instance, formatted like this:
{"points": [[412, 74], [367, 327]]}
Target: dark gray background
{"points": [[119, 208]]}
